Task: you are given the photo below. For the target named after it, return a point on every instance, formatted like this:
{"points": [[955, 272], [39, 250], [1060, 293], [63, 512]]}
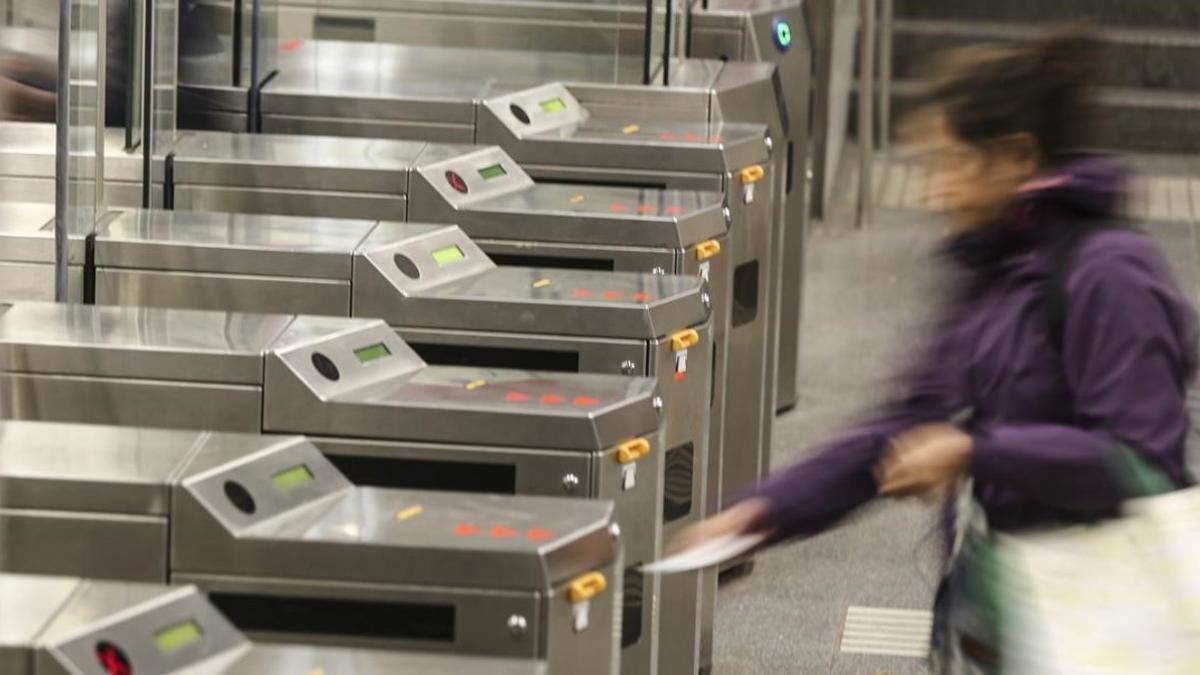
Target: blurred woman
{"points": [[1030, 390]]}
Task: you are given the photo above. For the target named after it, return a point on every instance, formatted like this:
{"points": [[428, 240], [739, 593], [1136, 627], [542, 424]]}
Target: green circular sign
{"points": [[783, 35]]}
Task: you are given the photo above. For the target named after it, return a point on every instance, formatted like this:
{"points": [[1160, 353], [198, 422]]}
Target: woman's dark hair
{"points": [[1044, 88]]}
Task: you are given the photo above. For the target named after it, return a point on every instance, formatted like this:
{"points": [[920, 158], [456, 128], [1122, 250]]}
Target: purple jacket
{"points": [[1043, 425]]}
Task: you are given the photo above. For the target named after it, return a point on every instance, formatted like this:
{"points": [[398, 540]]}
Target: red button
{"points": [[552, 399], [640, 297], [584, 293], [456, 181], [673, 210], [503, 532], [585, 401], [466, 530], [538, 534], [617, 207], [516, 397], [612, 295]]}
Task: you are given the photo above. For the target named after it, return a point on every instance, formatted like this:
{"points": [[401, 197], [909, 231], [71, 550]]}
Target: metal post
{"points": [[866, 106], [62, 150], [887, 14]]}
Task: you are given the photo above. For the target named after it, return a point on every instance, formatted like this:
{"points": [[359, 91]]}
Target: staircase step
{"points": [[1133, 58], [1170, 14]]}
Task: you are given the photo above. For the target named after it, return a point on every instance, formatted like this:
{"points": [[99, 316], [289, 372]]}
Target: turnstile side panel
{"points": [[290, 202], [130, 402], [106, 546], [231, 292], [31, 281]]}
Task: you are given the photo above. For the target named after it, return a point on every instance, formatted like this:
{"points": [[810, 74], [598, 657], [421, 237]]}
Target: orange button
{"points": [[585, 401], [552, 399], [503, 532], [538, 534], [466, 530], [516, 397], [707, 249]]}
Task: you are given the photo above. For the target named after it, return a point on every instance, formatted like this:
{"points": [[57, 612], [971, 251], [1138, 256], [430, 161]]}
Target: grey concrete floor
{"points": [[866, 296]]}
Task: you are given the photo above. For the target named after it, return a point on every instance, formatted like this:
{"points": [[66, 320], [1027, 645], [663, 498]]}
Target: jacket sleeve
{"points": [[815, 493], [1127, 349]]}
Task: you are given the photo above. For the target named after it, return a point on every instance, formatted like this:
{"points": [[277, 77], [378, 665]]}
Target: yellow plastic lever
{"points": [[707, 249], [586, 587], [752, 174], [631, 451], [684, 339]]}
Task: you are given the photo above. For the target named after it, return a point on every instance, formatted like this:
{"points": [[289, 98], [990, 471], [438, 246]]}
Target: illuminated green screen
{"points": [[372, 353], [553, 105], [448, 255], [292, 478], [177, 637], [493, 171]]}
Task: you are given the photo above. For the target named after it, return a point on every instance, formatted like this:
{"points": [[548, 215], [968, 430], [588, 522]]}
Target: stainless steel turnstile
{"points": [[65, 625], [27, 253], [290, 551], [369, 402], [454, 306]]}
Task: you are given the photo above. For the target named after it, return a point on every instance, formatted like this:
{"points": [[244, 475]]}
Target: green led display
{"points": [[177, 637], [448, 255], [783, 32], [372, 353], [554, 105], [290, 479], [493, 171]]}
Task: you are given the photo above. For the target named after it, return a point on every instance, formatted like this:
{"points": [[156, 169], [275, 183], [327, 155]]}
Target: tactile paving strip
{"points": [[883, 631]]}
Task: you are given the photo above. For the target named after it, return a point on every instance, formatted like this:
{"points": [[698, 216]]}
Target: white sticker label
{"points": [[681, 361], [748, 193], [581, 612], [704, 266], [628, 476]]}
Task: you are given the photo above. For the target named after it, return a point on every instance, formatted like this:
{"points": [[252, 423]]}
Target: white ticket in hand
{"points": [[712, 552]]}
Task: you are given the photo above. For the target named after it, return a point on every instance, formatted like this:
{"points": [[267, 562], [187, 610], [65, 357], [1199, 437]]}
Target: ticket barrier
{"points": [[290, 552], [453, 306], [27, 253]]}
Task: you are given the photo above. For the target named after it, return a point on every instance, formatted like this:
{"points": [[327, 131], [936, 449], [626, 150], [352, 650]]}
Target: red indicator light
{"points": [[112, 659], [667, 136], [456, 181], [640, 297], [516, 397], [612, 295], [583, 293], [538, 534], [466, 530], [617, 207], [585, 401], [503, 532], [690, 137], [679, 376], [552, 399], [290, 45], [646, 208], [673, 210]]}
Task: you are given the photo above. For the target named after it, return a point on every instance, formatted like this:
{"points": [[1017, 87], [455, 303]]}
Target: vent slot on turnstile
{"points": [[547, 360], [745, 293], [632, 600], [678, 467], [342, 618], [553, 262], [427, 474]]}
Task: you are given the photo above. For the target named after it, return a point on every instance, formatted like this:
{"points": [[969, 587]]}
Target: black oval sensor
{"points": [[406, 266], [326, 367], [519, 113], [240, 497]]}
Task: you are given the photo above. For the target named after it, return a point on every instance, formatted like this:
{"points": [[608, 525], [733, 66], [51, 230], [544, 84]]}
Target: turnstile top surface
{"points": [[312, 162], [231, 243], [443, 538], [28, 604], [268, 659], [27, 149], [123, 342], [23, 217], [109, 469]]}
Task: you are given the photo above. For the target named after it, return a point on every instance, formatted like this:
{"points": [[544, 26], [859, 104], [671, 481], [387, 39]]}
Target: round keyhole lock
{"points": [[519, 113], [112, 659], [406, 266], [240, 497], [326, 367]]}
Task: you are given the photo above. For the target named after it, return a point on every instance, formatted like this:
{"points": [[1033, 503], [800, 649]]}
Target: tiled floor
{"points": [[867, 292]]}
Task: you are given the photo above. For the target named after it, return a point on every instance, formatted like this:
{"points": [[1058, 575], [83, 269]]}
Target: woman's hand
{"points": [[925, 460], [738, 519]]}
